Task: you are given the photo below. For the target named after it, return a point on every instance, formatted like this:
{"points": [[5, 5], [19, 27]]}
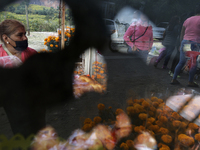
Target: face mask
{"points": [[20, 45]]}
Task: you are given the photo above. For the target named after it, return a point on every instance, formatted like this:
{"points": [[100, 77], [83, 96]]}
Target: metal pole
{"points": [[27, 21], [63, 26]]}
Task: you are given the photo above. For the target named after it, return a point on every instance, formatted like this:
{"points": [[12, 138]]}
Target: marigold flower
{"points": [[163, 130], [163, 118], [45, 39], [101, 71], [154, 98], [118, 111], [151, 119], [65, 39], [193, 126], [176, 123], [101, 106], [141, 100], [164, 147], [49, 40], [59, 32], [130, 143], [152, 108], [51, 45], [143, 116], [161, 105], [139, 107], [159, 100], [130, 102], [175, 115], [166, 138], [56, 45], [155, 104], [87, 127], [57, 39], [139, 129], [97, 119], [145, 104], [185, 140], [148, 123], [45, 43], [124, 146], [130, 110], [159, 111], [68, 35], [87, 121], [197, 137], [161, 145]]}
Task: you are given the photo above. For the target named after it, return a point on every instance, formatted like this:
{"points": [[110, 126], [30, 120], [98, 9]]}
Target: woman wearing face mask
{"points": [[15, 42]]}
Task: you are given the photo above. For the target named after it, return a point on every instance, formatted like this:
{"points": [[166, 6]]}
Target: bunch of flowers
{"points": [[79, 70], [53, 42], [99, 72], [170, 130]]}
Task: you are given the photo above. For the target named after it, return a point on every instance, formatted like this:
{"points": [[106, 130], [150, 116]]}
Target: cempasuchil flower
{"points": [[166, 138]]}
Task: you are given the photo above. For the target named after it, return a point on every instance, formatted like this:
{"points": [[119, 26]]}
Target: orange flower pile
{"points": [[52, 42], [99, 73], [153, 116]]}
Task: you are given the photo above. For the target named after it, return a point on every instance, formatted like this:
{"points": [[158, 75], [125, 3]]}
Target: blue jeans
{"points": [[167, 54], [182, 61]]}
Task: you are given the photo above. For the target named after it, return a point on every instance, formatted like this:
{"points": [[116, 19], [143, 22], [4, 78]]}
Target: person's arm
{"points": [[128, 34]]}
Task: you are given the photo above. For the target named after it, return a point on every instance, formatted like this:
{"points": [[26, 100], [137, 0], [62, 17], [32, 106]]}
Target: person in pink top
{"points": [[139, 37], [190, 34], [15, 44]]}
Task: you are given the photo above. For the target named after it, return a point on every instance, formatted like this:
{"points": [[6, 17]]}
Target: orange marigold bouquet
{"points": [[53, 42]]}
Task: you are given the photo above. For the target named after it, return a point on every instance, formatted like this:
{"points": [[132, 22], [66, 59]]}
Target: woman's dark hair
{"points": [[173, 22], [8, 27], [197, 10]]}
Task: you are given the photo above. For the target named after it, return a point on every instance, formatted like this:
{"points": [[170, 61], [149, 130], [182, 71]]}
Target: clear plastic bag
{"points": [[10, 61]]}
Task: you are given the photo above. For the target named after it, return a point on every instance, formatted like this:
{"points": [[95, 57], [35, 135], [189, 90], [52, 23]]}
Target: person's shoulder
{"points": [[1, 48], [31, 50]]}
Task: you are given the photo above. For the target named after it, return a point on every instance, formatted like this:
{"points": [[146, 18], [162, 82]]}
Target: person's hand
{"points": [[134, 48]]}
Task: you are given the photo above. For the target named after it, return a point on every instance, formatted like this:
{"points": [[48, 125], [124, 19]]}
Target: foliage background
{"points": [[41, 18]]}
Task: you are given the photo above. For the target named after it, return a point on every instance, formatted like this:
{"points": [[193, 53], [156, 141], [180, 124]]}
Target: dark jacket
{"points": [[171, 36]]}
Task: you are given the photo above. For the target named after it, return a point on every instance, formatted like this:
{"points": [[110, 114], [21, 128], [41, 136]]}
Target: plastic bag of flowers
{"points": [[145, 141], [83, 84], [98, 138]]}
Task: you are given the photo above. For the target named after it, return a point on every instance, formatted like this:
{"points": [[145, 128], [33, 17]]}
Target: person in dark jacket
{"points": [[170, 37]]}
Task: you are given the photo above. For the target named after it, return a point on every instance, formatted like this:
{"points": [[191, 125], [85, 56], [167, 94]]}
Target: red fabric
{"points": [[24, 55], [193, 57]]}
